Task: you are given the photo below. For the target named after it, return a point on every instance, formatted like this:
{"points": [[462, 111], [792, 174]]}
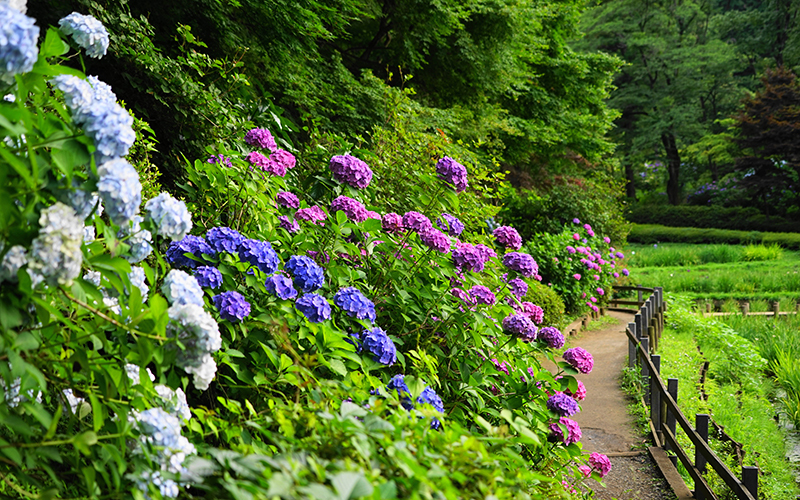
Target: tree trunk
{"points": [[630, 187], [673, 168]]}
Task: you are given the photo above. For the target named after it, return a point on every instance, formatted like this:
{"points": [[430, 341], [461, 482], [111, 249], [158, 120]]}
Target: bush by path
{"points": [[650, 233]]}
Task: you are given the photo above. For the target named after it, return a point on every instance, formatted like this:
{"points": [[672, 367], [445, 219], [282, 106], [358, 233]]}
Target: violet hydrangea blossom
{"points": [[351, 170], [314, 307], [435, 239], [521, 263], [380, 345], [262, 138], [208, 277], [288, 200], [232, 306], [521, 326], [313, 214], [291, 226], [507, 237], [220, 160], [279, 162], [415, 221], [483, 295], [450, 224], [579, 358], [552, 337], [306, 274], [392, 223], [353, 209], [281, 286], [562, 404], [224, 239], [518, 287], [468, 258], [533, 312], [429, 397], [453, 173]]}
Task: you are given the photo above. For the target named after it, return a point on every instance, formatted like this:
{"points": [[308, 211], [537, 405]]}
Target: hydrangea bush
{"points": [[294, 346]]}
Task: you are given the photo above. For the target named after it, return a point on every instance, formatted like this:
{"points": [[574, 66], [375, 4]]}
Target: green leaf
{"points": [[68, 155], [351, 485], [53, 44], [83, 441], [338, 367]]}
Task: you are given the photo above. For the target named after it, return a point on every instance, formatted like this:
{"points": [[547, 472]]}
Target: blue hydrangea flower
{"points": [[281, 286], [355, 304], [398, 384], [13, 260], [18, 43], [101, 91], [139, 240], [170, 216], [110, 127], [199, 334], [78, 95], [259, 254], [224, 239], [56, 252], [232, 306], [120, 189], [194, 245], [430, 397], [208, 276], [314, 307], [180, 288], [83, 202], [380, 345], [137, 278], [88, 33], [307, 275]]}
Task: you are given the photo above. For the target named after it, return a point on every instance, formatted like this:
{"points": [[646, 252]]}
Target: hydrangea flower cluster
{"points": [[314, 214], [199, 334], [464, 296], [380, 345], [436, 240], [469, 257], [232, 306], [170, 216], [453, 173], [562, 404], [180, 288], [55, 255], [224, 239], [552, 337], [161, 433], [259, 254], [392, 223], [12, 396], [398, 383], [281, 286], [573, 433], [289, 225], [355, 304], [208, 277], [518, 287], [579, 394], [18, 43], [521, 263], [88, 33], [451, 225], [192, 245], [519, 325], [306, 274], [483, 295], [138, 280], [120, 189], [429, 397], [279, 162], [534, 312], [262, 138], [83, 202], [220, 160], [353, 209], [579, 358], [314, 307], [507, 237], [415, 221], [350, 170], [137, 238], [12, 262], [287, 200]]}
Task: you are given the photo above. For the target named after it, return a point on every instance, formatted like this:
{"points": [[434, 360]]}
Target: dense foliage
{"points": [[652, 233], [712, 216]]}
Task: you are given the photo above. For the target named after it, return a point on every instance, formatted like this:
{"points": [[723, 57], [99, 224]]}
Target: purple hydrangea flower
{"points": [[533, 312], [380, 345], [521, 263], [353, 209], [483, 295], [398, 383], [261, 138], [260, 254], [576, 221], [507, 237], [451, 225], [350, 170], [485, 252], [194, 245], [371, 214], [620, 255], [258, 159], [281, 286], [208, 276], [279, 162], [625, 272], [355, 304], [290, 225], [232, 306], [312, 214], [518, 287], [392, 223], [314, 307], [415, 221], [288, 200], [571, 249], [224, 239], [220, 160], [521, 326], [573, 434], [453, 173], [552, 337], [562, 404], [435, 239], [307, 274], [468, 258], [464, 296], [579, 358]]}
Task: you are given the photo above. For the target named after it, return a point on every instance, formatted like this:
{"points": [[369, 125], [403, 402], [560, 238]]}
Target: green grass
{"points": [[652, 233], [676, 254]]}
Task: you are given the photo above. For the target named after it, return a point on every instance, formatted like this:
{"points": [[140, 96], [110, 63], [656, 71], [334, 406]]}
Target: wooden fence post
{"points": [[646, 369], [639, 294], [632, 346], [701, 427], [672, 389], [750, 480], [745, 308], [638, 320], [655, 398], [776, 308]]}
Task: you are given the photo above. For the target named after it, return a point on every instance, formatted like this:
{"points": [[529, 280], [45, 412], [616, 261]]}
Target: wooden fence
{"points": [[665, 415]]}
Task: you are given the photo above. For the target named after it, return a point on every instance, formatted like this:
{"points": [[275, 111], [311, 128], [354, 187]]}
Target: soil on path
{"points": [[607, 427]]}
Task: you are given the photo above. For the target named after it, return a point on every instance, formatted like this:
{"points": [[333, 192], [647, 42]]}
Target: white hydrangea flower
{"points": [[195, 328], [73, 401], [137, 278], [139, 240], [120, 189], [204, 373], [89, 234], [13, 260], [132, 371], [93, 277], [175, 402], [56, 253], [182, 288], [170, 216], [88, 33], [12, 395]]}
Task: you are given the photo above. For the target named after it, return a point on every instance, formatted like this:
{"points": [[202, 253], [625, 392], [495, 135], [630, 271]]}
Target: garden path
{"points": [[607, 427]]}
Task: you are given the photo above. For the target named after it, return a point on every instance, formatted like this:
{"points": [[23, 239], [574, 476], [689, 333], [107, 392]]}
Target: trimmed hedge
{"points": [[651, 233], [735, 218], [548, 300]]}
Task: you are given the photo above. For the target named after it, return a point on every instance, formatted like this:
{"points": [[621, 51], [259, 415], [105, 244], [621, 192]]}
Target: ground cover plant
{"points": [[273, 334], [677, 254], [651, 233]]}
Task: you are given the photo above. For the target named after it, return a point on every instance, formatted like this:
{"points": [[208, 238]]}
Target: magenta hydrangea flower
{"points": [[562, 404], [435, 239], [552, 337], [312, 214], [451, 225], [507, 237], [232, 306], [468, 258], [287, 199], [579, 358], [606, 239], [453, 173], [600, 463], [576, 237], [579, 394], [570, 249], [518, 287], [371, 214], [534, 312], [279, 162], [521, 326], [483, 295], [521, 263], [262, 138], [415, 221], [616, 275], [392, 223], [573, 434], [577, 276], [464, 296], [350, 170], [587, 227], [600, 291], [485, 252], [258, 159], [290, 225], [353, 209]]}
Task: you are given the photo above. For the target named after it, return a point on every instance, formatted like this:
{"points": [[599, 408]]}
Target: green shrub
{"points": [[544, 297], [649, 234], [736, 218], [763, 252]]}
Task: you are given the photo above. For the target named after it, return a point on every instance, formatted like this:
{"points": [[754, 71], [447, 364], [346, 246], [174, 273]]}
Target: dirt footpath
{"points": [[607, 427]]}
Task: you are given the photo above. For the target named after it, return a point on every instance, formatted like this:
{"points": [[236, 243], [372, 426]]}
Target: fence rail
{"points": [[665, 414]]}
